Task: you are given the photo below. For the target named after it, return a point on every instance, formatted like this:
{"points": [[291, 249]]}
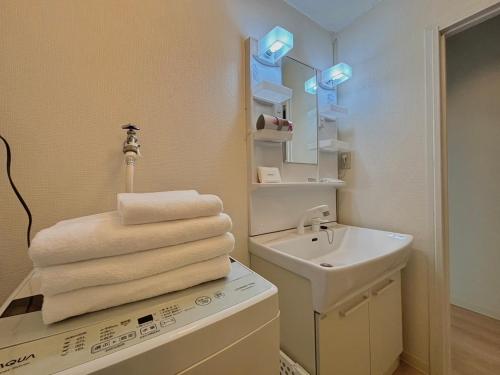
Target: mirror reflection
{"points": [[302, 111]]}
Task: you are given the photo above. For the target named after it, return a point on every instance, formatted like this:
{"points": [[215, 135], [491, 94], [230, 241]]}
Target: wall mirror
{"points": [[302, 111]]}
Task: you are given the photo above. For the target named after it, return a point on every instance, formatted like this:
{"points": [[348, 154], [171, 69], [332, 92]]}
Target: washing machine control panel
{"points": [[174, 312]]}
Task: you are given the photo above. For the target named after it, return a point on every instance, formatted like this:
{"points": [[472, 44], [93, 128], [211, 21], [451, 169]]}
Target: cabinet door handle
{"points": [[348, 312], [384, 288]]}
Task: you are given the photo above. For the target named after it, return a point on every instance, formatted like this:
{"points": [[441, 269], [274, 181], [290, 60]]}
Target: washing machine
{"points": [[226, 326]]}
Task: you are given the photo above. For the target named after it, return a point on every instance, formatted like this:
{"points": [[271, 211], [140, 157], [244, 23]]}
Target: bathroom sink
{"points": [[356, 258]]}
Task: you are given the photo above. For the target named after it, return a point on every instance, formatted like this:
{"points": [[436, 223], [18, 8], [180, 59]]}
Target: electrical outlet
{"points": [[345, 160]]}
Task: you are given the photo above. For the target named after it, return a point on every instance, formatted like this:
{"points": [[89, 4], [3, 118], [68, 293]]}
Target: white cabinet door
{"points": [[386, 334], [343, 339]]}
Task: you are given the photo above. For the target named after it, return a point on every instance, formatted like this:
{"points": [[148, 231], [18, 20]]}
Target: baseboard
{"points": [[415, 362], [393, 367]]}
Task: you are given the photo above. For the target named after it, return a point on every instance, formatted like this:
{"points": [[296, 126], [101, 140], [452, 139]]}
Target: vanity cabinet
{"points": [[363, 336], [360, 336], [386, 336], [343, 337]]}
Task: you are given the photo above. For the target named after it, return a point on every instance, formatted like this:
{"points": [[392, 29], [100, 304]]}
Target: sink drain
{"points": [[328, 265]]}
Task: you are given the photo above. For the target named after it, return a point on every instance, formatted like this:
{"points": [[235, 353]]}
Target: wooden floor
{"points": [[475, 343], [404, 369]]}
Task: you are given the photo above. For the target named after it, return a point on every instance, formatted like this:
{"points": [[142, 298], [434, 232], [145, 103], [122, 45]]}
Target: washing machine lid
{"points": [[28, 345]]}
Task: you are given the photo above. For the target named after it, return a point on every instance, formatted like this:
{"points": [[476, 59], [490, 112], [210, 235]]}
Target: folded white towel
{"points": [[111, 270], [141, 208], [64, 305], [102, 235]]}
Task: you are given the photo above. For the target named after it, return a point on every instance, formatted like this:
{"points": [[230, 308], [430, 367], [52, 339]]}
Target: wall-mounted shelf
{"points": [[335, 184], [333, 112], [269, 135], [271, 92], [331, 145]]}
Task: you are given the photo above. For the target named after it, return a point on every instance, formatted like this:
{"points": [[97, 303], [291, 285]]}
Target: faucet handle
{"points": [[131, 143], [130, 127]]}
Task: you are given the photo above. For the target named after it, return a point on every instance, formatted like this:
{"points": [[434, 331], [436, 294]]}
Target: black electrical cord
{"points": [[30, 220]]}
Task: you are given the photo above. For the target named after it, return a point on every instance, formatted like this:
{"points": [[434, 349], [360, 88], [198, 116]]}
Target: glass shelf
{"points": [[333, 112], [270, 92], [335, 184], [331, 145]]}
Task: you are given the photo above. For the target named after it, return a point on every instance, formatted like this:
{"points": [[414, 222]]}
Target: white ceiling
{"points": [[333, 15]]}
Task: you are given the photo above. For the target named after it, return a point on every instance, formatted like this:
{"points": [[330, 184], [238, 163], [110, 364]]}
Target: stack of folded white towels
{"points": [[153, 244]]}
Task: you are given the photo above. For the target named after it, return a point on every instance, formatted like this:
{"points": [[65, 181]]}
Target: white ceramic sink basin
{"points": [[355, 258]]}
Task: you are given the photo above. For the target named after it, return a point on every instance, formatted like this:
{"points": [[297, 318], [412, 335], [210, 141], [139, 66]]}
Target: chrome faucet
{"points": [[322, 210], [131, 144]]}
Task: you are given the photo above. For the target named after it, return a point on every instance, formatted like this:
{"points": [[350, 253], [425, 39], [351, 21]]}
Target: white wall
{"points": [[73, 71], [473, 128], [389, 186]]}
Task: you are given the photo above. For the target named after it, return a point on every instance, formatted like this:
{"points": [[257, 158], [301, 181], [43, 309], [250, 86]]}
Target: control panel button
{"points": [[219, 294], [167, 322], [203, 300], [147, 329], [113, 342]]}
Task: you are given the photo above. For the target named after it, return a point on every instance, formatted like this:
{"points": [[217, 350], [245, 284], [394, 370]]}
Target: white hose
{"points": [[130, 158]]}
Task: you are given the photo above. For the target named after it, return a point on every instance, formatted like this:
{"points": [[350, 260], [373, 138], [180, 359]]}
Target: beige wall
{"points": [[473, 117], [73, 71], [389, 186]]}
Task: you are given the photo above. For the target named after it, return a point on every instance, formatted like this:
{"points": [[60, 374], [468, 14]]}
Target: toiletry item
{"points": [[268, 175], [274, 123]]}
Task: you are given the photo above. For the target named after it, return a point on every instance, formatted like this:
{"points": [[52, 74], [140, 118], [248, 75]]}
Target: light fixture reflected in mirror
{"points": [[274, 45], [311, 85], [335, 75]]}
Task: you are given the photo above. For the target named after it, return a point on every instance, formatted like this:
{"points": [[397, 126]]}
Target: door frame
{"points": [[436, 129]]}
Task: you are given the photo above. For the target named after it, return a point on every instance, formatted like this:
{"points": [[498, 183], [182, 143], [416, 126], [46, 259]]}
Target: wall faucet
{"points": [[131, 144], [323, 210]]}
